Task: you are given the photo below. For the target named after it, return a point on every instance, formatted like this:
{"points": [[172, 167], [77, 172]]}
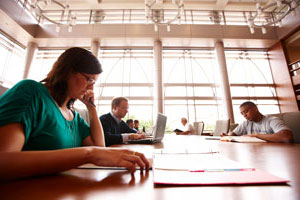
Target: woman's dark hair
{"points": [[73, 60]]}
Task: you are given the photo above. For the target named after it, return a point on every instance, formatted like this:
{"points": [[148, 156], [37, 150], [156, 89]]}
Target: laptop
{"points": [[222, 126], [158, 131]]}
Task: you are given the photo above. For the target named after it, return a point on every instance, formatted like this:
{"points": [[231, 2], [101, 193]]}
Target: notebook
{"points": [[243, 139], [158, 131]]}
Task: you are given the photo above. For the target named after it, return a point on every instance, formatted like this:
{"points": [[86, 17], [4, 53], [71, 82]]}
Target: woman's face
{"points": [[79, 83]]}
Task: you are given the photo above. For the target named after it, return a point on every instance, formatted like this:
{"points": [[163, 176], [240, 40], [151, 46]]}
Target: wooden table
{"points": [[282, 160]]}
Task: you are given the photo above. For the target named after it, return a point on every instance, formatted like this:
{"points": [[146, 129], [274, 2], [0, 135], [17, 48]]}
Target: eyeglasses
{"points": [[88, 79]]}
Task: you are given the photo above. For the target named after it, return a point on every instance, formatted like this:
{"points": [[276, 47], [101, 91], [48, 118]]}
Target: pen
{"points": [[222, 170], [209, 170], [91, 102]]}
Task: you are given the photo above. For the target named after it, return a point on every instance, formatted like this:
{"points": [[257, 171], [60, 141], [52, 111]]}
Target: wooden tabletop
{"points": [[282, 160]]}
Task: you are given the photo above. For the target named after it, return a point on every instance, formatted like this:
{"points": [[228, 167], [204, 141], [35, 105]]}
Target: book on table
{"points": [[243, 139]]}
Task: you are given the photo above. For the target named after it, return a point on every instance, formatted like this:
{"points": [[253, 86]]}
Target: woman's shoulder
{"points": [[26, 89], [29, 85]]}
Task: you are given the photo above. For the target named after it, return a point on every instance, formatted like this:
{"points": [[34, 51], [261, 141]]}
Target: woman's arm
{"points": [[22, 164], [97, 136], [15, 163]]}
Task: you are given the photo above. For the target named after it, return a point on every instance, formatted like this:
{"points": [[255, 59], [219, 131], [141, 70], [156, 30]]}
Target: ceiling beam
{"points": [[222, 3]]}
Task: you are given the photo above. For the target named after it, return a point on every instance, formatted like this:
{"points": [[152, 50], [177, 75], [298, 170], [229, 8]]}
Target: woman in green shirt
{"points": [[41, 134]]}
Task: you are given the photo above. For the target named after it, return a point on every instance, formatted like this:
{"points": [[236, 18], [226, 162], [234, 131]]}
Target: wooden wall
{"points": [[281, 76], [293, 54]]}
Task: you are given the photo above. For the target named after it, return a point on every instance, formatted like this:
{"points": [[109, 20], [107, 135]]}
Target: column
{"points": [[30, 51], [95, 48], [158, 83], [224, 85]]}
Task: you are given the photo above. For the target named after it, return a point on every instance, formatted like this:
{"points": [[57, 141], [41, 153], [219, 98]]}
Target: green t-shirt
{"points": [[30, 103]]}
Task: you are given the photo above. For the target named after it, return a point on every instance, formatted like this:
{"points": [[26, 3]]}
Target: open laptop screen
{"points": [[160, 126]]}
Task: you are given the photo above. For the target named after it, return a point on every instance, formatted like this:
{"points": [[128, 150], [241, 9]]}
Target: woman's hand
{"points": [[88, 98], [113, 157]]}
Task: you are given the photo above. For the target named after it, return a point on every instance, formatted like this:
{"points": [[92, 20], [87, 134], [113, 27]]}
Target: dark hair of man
{"points": [[136, 121], [117, 101], [248, 103], [73, 60], [128, 121]]}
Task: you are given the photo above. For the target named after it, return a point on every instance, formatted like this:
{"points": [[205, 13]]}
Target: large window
{"points": [[127, 73], [11, 61], [191, 84], [43, 63], [251, 79]]}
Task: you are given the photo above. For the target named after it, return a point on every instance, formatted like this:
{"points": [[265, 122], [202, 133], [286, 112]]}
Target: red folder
{"points": [[215, 178], [207, 170]]}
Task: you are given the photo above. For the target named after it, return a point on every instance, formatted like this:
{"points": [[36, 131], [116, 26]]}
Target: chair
{"points": [[291, 119], [222, 126], [199, 127], [232, 126]]}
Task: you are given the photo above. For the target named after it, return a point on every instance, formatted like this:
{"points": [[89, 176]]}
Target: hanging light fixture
{"points": [[271, 14], [66, 17], [155, 13]]}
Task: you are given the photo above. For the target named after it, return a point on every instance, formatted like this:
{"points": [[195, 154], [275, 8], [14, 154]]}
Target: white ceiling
{"points": [[18, 24]]}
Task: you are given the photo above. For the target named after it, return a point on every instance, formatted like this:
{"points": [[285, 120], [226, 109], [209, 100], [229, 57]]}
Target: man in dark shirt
{"points": [[116, 131]]}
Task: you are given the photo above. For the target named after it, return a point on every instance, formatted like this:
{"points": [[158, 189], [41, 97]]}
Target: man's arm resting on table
{"points": [[281, 136]]}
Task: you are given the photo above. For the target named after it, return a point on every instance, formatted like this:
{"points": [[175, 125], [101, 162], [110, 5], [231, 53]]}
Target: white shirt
{"points": [[267, 125], [189, 127]]}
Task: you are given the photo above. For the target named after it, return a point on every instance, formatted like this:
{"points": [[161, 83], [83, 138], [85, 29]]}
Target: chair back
{"points": [[222, 126], [292, 120], [199, 127]]}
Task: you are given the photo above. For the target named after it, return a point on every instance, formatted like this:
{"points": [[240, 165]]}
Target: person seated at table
{"points": [[268, 128], [136, 124], [188, 128], [116, 131], [41, 134], [129, 122]]}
